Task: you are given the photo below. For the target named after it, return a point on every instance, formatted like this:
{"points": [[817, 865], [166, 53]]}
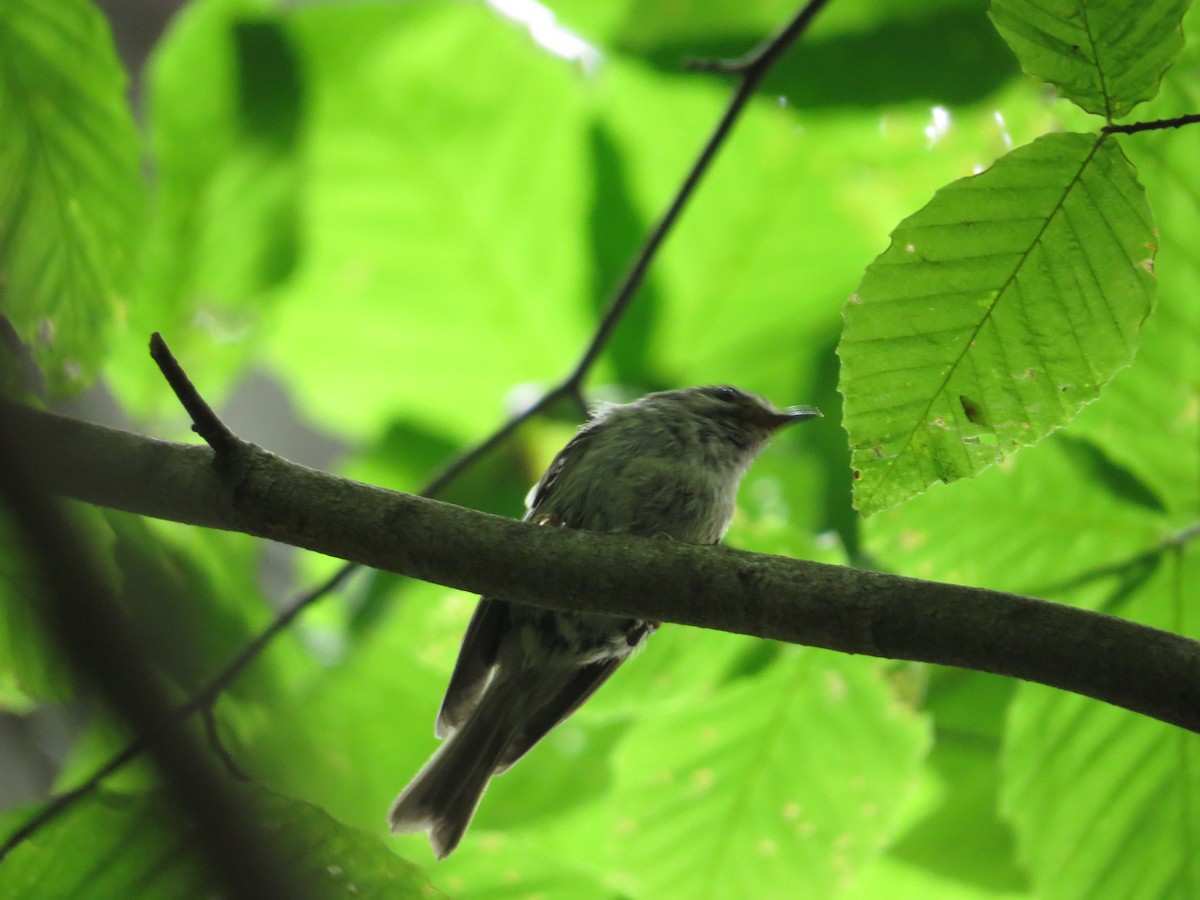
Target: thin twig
{"points": [[201, 700], [59, 804], [761, 58], [232, 769], [205, 422], [751, 69], [459, 464], [1128, 568], [1155, 125]]}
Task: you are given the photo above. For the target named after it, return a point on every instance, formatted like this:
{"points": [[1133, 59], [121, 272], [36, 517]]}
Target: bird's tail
{"points": [[443, 796]]}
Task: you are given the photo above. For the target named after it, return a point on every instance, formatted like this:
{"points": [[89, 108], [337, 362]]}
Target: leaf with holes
{"points": [[1107, 57], [998, 311]]}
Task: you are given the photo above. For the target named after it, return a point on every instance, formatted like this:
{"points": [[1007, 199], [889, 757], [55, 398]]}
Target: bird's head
{"points": [[725, 424]]}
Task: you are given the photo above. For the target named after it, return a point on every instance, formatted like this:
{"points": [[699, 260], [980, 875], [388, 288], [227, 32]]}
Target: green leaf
{"points": [[508, 866], [616, 231], [967, 819], [350, 736], [1056, 513], [998, 311], [190, 594], [1106, 56], [142, 848], [792, 776], [1147, 418], [1148, 413], [1093, 789], [763, 314], [957, 809], [1103, 800], [430, 242], [29, 653], [71, 192], [29, 659]]}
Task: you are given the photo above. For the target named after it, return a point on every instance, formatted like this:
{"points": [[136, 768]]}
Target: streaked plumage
{"points": [[667, 464]]}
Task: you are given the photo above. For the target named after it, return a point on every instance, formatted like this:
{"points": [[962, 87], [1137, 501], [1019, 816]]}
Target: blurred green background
{"points": [[373, 230]]}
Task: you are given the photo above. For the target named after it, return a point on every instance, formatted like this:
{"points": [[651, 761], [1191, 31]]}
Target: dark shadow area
{"points": [[950, 57]]}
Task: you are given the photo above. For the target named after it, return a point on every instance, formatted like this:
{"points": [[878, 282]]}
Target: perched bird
{"points": [[667, 464]]}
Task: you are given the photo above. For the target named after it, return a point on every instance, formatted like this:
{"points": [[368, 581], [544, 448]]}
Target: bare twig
{"points": [[59, 804], [232, 769], [205, 422], [757, 63], [202, 700], [1155, 125], [1125, 569], [459, 464]]}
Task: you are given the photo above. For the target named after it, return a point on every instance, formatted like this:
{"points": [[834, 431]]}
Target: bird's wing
{"points": [[561, 704], [491, 621], [568, 457], [476, 657]]}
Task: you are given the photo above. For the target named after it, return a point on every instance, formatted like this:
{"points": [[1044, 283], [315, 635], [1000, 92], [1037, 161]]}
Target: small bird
{"points": [[669, 465]]}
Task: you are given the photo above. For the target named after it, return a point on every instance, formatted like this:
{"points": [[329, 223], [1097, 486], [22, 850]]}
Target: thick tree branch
{"points": [[1149, 671]]}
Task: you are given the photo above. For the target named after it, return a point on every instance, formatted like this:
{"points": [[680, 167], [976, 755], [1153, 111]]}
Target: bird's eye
{"points": [[725, 393]]}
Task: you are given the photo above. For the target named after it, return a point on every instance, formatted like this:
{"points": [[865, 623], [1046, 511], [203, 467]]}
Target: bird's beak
{"points": [[796, 414]]}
